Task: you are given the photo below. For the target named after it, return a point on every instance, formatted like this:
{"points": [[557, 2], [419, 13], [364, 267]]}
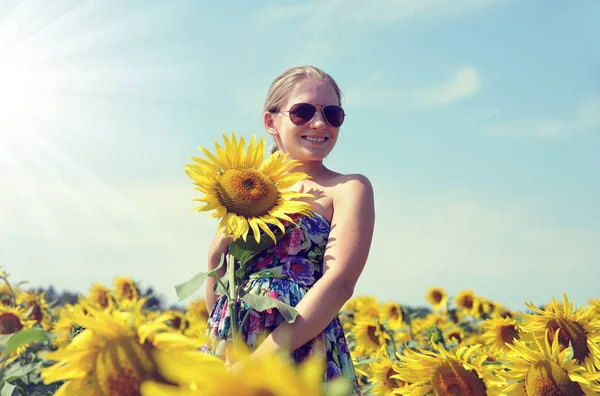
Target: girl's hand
{"points": [[220, 244]]}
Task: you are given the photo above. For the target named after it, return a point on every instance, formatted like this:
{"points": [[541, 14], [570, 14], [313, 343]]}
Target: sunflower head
{"points": [[113, 355], [437, 297], [541, 368], [126, 291], [578, 328], [245, 192], [36, 308]]}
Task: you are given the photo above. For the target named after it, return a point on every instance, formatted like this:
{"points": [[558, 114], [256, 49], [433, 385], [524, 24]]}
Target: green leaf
{"points": [[23, 337], [244, 251], [7, 389], [16, 371], [261, 303], [341, 386], [186, 289]]}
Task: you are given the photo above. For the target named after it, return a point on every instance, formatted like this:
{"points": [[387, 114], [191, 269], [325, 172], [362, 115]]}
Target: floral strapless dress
{"points": [[286, 271]]}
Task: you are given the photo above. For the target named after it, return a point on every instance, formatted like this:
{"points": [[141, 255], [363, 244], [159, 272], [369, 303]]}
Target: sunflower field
{"points": [[113, 341]]}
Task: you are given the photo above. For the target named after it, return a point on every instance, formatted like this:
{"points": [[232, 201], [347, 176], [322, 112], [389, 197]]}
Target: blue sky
{"points": [[477, 122]]}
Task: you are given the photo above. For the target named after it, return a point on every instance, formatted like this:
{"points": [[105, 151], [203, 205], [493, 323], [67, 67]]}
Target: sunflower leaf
{"points": [[262, 303], [23, 337], [245, 251], [7, 389], [186, 289], [17, 371]]}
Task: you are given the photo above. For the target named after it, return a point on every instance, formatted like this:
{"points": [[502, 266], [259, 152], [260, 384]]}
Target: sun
{"points": [[26, 91]]}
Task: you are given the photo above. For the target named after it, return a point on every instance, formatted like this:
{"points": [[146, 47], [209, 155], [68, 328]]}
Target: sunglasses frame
{"points": [[316, 107]]}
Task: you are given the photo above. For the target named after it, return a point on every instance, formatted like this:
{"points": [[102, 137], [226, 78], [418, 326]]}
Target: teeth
{"points": [[313, 139]]}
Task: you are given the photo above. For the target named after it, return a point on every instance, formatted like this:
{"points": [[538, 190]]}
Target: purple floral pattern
{"points": [[286, 271]]}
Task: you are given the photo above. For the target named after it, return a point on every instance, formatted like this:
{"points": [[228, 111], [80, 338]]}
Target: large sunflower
{"points": [[580, 328], [444, 373], [36, 307], [385, 373], [498, 333], [546, 369], [113, 355], [11, 321], [245, 192], [371, 338], [189, 373]]}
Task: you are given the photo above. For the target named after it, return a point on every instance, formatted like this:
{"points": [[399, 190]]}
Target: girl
{"points": [[320, 260]]}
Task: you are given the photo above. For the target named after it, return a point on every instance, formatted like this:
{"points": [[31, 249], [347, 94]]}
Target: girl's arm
{"points": [[345, 257], [219, 246]]}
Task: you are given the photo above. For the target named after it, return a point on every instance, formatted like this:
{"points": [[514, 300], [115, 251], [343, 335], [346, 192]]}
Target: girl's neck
{"points": [[313, 168]]}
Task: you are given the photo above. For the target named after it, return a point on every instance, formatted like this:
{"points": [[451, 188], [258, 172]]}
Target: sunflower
{"points": [[580, 328], [126, 292], [112, 356], [11, 321], [454, 334], [63, 326], [101, 297], [468, 303], [498, 333], [391, 315], [437, 297], [190, 373], [371, 338], [462, 372], [548, 370], [37, 307], [385, 374], [245, 192], [197, 311]]}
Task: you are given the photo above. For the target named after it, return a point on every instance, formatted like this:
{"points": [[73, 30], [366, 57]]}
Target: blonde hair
{"points": [[285, 83]]}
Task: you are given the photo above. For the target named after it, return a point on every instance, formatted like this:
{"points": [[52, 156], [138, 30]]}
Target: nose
{"points": [[318, 122]]}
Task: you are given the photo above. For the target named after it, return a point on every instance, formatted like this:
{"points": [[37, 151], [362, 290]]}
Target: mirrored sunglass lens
{"points": [[334, 115], [302, 113]]}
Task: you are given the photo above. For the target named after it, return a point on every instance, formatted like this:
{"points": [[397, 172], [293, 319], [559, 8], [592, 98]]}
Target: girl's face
{"points": [[314, 140]]}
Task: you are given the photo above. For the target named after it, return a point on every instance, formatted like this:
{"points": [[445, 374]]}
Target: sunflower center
{"points": [[127, 292], [547, 378], [571, 332], [263, 392], [36, 312], [456, 336], [247, 192], [122, 365], [394, 314], [450, 378], [436, 296], [467, 302], [372, 336], [103, 299], [508, 334], [10, 323], [393, 383]]}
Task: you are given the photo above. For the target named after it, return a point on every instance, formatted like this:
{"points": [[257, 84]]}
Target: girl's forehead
{"points": [[315, 91]]}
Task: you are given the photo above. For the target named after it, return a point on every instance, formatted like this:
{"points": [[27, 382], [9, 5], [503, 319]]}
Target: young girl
{"points": [[322, 257]]}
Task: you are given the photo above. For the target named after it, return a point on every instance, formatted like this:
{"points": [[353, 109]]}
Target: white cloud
{"points": [[585, 118], [465, 83]]}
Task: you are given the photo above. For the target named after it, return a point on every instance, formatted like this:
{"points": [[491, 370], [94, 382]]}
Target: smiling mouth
{"points": [[315, 139]]}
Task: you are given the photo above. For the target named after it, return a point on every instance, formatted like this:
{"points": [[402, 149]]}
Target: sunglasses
{"points": [[302, 113]]}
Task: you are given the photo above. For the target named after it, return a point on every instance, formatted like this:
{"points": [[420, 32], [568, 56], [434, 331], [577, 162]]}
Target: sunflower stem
{"points": [[232, 298]]}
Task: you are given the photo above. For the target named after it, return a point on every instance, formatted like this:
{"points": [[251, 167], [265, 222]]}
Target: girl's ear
{"points": [[269, 122]]}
